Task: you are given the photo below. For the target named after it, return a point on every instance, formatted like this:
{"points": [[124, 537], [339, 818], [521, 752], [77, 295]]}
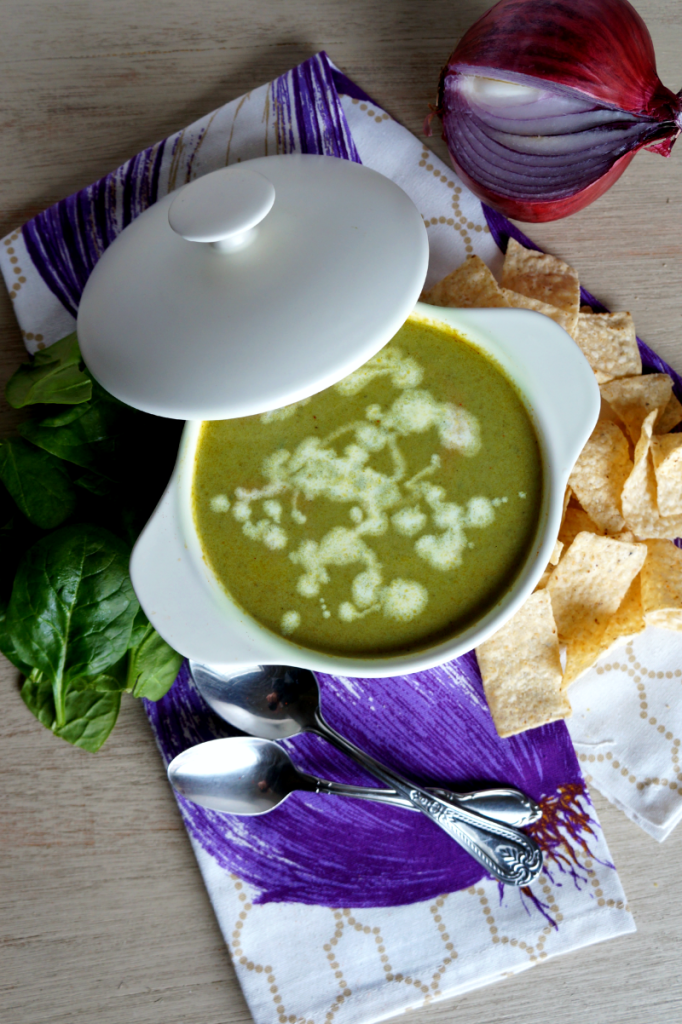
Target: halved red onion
{"points": [[545, 102]]}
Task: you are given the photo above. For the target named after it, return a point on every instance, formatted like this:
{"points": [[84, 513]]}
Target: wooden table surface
{"points": [[104, 915]]}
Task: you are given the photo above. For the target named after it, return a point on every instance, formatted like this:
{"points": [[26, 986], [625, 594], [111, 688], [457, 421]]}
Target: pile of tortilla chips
{"points": [[614, 567]]}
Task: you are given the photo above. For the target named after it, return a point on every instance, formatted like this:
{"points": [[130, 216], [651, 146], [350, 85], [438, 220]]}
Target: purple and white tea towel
{"points": [[339, 910], [343, 910]]}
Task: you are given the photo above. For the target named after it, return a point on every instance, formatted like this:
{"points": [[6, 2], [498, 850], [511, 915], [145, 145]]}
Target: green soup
{"points": [[384, 514]]}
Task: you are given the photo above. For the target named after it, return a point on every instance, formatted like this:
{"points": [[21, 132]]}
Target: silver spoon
{"points": [[273, 702], [225, 695], [246, 775]]}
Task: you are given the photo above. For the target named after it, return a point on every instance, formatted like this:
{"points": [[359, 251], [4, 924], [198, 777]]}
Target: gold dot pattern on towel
{"points": [[597, 891], [20, 280], [459, 222], [342, 918], [534, 952], [352, 943], [373, 112], [14, 260], [240, 956], [391, 976], [30, 336], [635, 671], [345, 921], [451, 953]]}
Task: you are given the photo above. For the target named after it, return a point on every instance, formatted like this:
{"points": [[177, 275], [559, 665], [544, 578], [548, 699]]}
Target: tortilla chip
{"points": [[666, 454], [576, 521], [557, 550], [662, 585], [609, 343], [521, 669], [607, 413], [590, 582], [670, 417], [472, 285], [540, 276], [626, 536], [598, 476], [629, 619], [639, 499], [560, 316], [633, 398], [544, 579], [583, 651]]}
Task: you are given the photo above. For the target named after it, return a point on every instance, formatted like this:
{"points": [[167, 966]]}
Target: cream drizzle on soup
{"points": [[384, 514]]}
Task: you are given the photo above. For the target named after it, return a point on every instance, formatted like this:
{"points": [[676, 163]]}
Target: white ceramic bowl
{"points": [[190, 609]]}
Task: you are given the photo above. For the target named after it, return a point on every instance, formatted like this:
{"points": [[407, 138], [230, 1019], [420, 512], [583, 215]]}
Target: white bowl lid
{"points": [[253, 287]]}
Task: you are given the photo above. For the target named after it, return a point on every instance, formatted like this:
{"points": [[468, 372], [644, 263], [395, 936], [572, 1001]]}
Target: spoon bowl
{"points": [[239, 775], [270, 701]]}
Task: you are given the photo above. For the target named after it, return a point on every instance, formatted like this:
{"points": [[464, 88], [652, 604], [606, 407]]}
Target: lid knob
{"points": [[222, 208]]}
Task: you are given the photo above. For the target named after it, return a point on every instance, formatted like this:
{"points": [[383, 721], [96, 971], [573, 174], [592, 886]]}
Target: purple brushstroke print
{"points": [[310, 118], [66, 240], [434, 727], [346, 87]]}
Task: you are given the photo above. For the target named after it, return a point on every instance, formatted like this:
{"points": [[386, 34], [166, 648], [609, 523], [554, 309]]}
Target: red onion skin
{"points": [[599, 47]]}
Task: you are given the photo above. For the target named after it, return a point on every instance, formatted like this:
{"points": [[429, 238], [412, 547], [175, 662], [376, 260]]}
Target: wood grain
{"points": [[104, 914]]}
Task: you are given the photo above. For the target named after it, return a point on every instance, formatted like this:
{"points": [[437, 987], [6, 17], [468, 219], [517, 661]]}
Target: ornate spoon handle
{"points": [[507, 854], [508, 806]]}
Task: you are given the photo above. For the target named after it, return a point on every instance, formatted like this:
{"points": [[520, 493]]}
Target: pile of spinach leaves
{"points": [[77, 486]]}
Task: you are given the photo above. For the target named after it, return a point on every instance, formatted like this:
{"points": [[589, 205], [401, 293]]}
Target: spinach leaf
{"points": [[95, 483], [38, 482], [36, 694], [88, 715], [90, 440], [7, 646], [114, 680], [140, 628], [72, 609], [55, 375], [17, 535], [64, 416], [7, 512], [70, 621], [126, 456], [152, 666]]}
